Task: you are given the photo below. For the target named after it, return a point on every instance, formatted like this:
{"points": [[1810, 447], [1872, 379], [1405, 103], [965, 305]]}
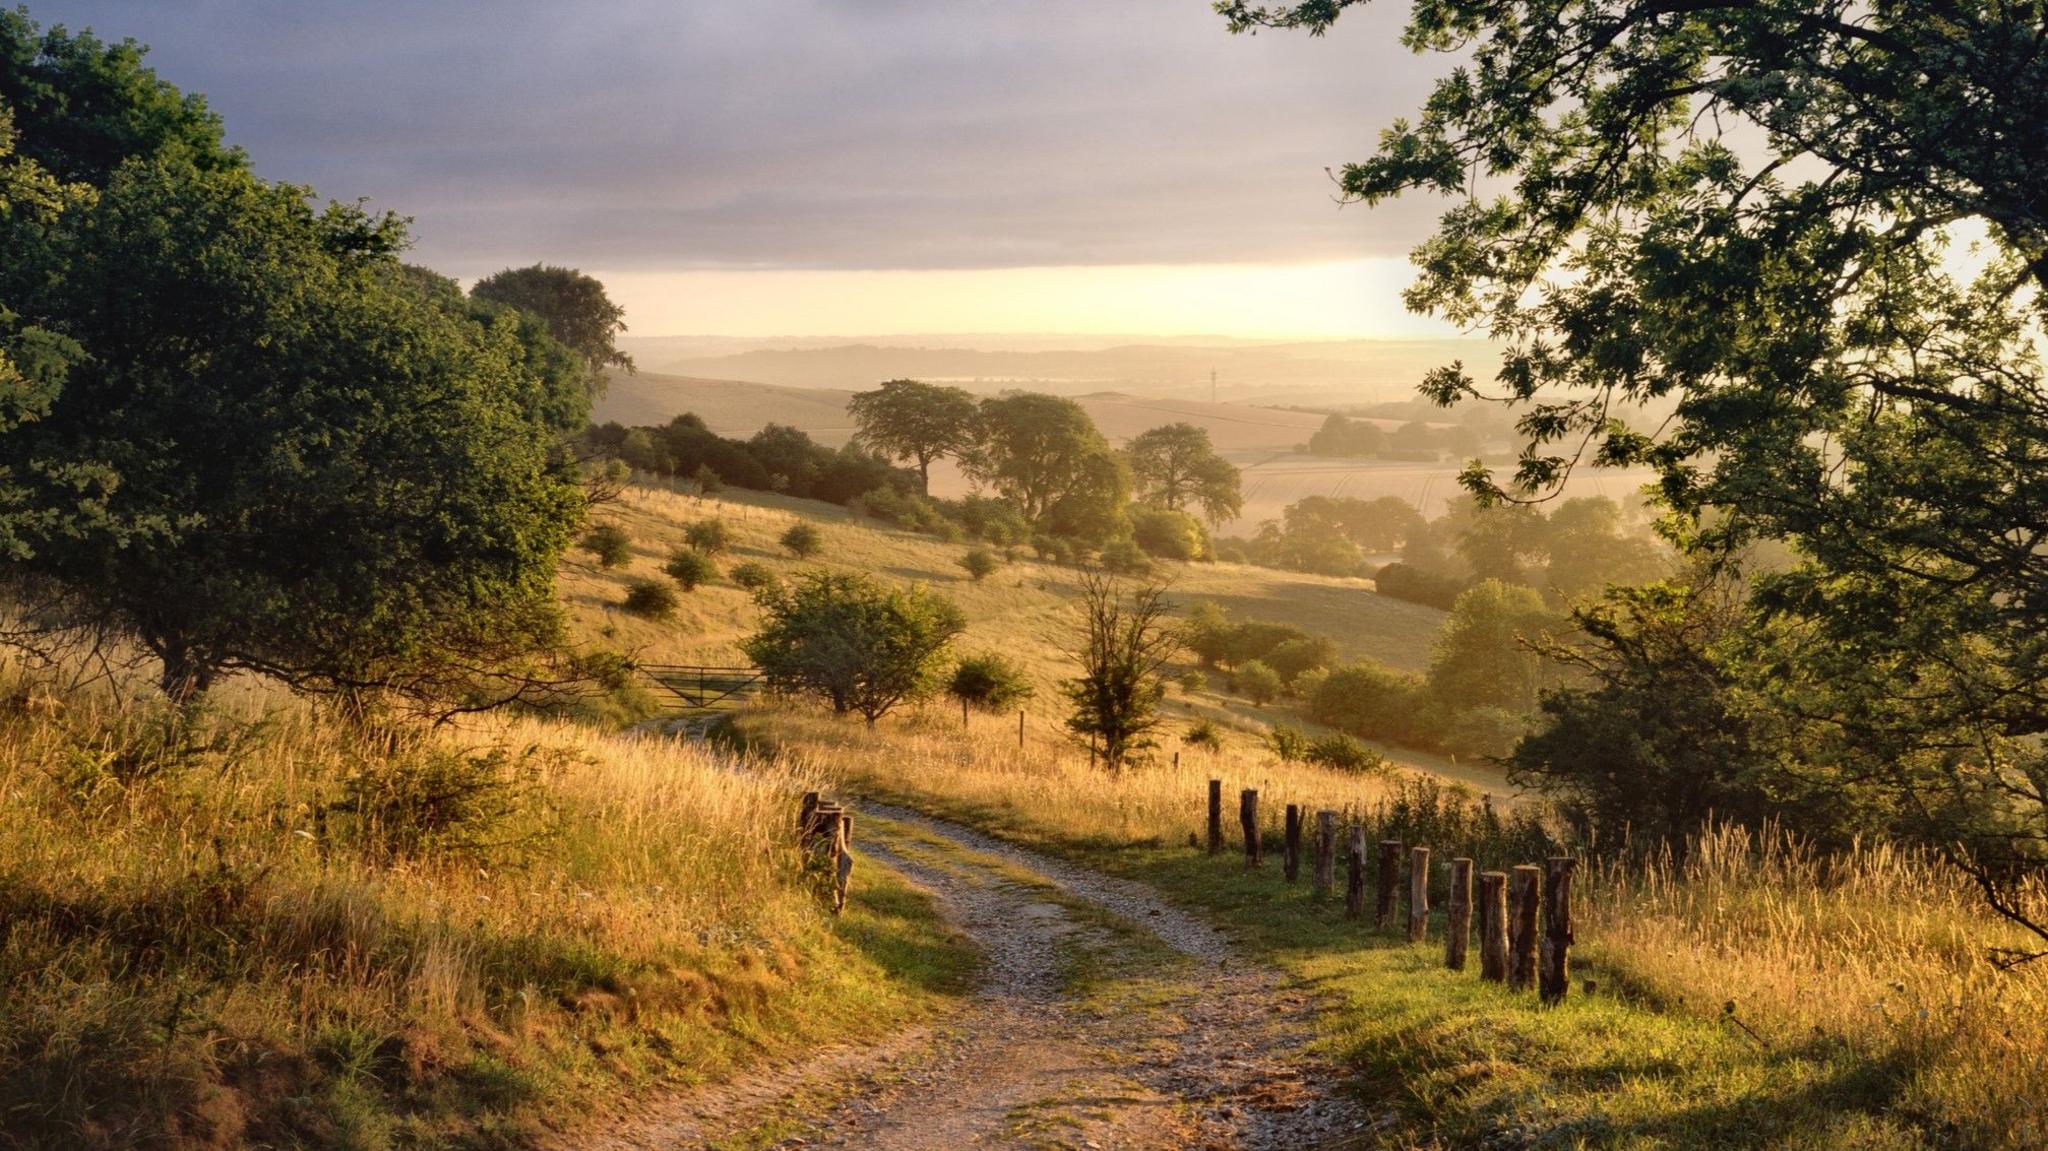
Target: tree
{"points": [[690, 567], [1484, 656], [979, 563], [989, 682], [295, 456], [861, 646], [575, 308], [1126, 645], [1259, 683], [610, 544], [803, 540], [1044, 454], [912, 420], [1176, 466], [1834, 378], [708, 535]]}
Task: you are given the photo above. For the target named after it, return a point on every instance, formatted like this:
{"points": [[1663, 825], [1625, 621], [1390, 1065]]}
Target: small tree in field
{"points": [[689, 568], [860, 645], [979, 563], [651, 599], [610, 544], [803, 541], [707, 480], [989, 682], [1258, 682], [708, 536], [1127, 643]]}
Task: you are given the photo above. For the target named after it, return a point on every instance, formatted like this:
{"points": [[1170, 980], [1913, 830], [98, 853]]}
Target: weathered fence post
{"points": [[1458, 915], [827, 832], [1020, 729], [804, 814], [1389, 882], [1524, 897], [1326, 853], [1493, 926], [1248, 815], [1354, 874], [1418, 894], [1554, 972], [1291, 861], [1215, 816]]}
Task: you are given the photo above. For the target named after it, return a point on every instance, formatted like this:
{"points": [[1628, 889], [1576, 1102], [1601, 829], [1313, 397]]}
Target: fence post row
{"points": [[1493, 926], [1215, 817], [1291, 859], [1458, 915], [1525, 895], [1418, 894], [1248, 815], [1389, 881], [1354, 875], [1555, 969], [1326, 853]]}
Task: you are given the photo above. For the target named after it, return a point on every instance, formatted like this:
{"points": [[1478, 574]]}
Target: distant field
{"points": [[1260, 441]]}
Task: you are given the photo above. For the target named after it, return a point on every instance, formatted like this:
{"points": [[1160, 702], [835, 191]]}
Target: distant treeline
{"points": [[778, 458]]}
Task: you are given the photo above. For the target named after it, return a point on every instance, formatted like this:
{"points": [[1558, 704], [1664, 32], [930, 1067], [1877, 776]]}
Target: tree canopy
{"points": [[861, 646], [574, 306], [1176, 466], [1045, 455], [912, 420]]}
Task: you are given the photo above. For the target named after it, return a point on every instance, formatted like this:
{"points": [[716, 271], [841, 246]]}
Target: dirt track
{"points": [[1105, 1019]]}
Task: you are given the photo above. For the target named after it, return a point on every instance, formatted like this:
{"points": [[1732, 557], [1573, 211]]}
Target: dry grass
{"points": [[206, 943]]}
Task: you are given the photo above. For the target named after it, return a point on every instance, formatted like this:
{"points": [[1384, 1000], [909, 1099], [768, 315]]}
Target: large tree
{"points": [[913, 420], [1749, 213], [1045, 455], [1176, 466], [573, 305]]}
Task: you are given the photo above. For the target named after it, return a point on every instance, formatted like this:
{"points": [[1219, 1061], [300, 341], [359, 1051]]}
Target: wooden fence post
{"points": [[804, 814], [1418, 894], [1554, 972], [1389, 882], [1248, 815], [1291, 862], [1458, 917], [1326, 853], [1020, 729], [1354, 874], [1215, 816], [1525, 895], [1493, 926]]}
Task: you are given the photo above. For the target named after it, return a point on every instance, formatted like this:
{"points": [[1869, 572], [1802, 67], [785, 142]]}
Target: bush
{"points": [[1258, 683], [708, 536], [1296, 656], [1343, 753], [1193, 681], [689, 568], [431, 802], [1052, 549], [1308, 683], [978, 562], [1288, 743], [1488, 732], [1368, 699], [1169, 534], [610, 544], [1407, 582], [989, 682], [707, 481], [1125, 557], [803, 541], [755, 576], [652, 599], [1204, 733]]}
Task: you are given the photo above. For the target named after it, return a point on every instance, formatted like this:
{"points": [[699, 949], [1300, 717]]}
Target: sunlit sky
{"points": [[846, 167]]}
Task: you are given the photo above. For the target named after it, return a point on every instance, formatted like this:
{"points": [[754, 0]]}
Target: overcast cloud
{"points": [[658, 135]]}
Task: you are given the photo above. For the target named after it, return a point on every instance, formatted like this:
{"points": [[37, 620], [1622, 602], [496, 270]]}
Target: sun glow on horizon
{"points": [[1353, 299]]}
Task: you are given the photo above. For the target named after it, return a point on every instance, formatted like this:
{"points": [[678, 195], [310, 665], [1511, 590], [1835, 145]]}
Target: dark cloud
{"points": [[652, 134]]}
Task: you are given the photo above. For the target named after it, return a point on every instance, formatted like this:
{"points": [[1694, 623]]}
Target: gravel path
{"points": [[1105, 1018]]}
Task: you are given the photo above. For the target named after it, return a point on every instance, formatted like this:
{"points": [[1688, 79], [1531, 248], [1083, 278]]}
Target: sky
{"points": [[805, 167]]}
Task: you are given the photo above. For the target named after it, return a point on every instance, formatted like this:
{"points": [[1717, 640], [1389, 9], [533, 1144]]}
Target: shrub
{"points": [[426, 802], [1169, 534], [689, 568], [1488, 732], [989, 682], [754, 576], [1408, 582], [1125, 557], [979, 562], [1308, 683], [859, 645], [707, 481], [1204, 733], [652, 599], [708, 536], [803, 541], [1193, 681], [1288, 743], [1258, 683], [1293, 657], [1368, 699], [610, 544], [1343, 753], [1052, 549]]}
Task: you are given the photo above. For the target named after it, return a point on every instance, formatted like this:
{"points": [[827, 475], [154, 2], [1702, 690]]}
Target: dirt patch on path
{"points": [[1105, 1018]]}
